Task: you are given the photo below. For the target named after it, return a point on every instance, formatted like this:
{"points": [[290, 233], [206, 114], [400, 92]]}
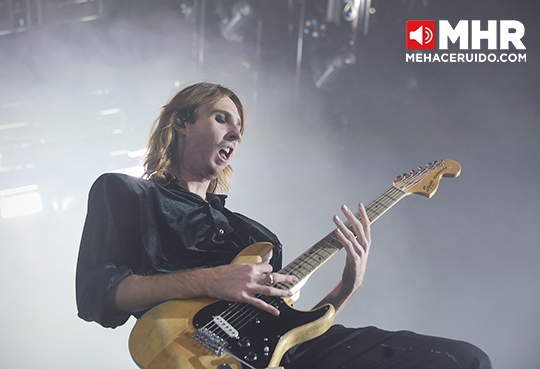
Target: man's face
{"points": [[208, 144]]}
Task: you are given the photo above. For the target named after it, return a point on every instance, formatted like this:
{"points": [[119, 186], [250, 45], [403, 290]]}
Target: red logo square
{"points": [[420, 35]]}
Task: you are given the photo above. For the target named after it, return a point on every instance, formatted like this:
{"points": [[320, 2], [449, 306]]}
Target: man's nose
{"points": [[235, 132]]}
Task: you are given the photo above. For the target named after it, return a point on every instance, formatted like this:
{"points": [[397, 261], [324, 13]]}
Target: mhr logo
{"points": [[421, 34]]}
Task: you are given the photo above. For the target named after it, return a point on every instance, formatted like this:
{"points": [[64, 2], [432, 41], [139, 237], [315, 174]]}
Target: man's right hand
{"points": [[234, 282], [242, 282]]}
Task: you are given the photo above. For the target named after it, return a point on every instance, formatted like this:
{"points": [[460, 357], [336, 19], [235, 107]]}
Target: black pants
{"points": [[370, 348]]}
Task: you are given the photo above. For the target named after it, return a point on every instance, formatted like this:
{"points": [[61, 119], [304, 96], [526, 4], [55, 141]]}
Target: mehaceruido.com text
{"points": [[465, 58]]}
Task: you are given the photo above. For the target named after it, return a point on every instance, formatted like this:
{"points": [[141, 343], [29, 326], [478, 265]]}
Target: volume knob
{"points": [[251, 356], [244, 342]]}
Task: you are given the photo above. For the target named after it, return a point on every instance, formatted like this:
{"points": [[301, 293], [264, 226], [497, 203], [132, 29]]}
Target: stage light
{"points": [[350, 10], [315, 28], [109, 112], [323, 76], [234, 22], [20, 201], [13, 125]]}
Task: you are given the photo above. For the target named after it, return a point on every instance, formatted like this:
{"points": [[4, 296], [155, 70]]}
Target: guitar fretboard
{"points": [[311, 260]]}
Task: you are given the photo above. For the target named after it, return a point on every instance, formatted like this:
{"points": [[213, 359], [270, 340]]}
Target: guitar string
{"points": [[253, 312], [239, 314], [234, 308], [243, 313], [231, 313], [242, 319], [305, 264], [246, 313]]}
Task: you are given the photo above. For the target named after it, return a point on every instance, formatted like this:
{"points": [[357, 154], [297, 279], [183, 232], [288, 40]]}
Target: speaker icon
{"points": [[420, 34]]}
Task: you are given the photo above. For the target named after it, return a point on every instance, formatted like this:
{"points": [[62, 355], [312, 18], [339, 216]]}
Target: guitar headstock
{"points": [[425, 180]]}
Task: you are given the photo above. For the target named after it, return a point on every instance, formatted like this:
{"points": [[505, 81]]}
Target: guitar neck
{"points": [[311, 260]]}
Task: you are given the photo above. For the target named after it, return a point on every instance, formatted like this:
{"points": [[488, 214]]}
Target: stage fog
{"points": [[335, 113]]}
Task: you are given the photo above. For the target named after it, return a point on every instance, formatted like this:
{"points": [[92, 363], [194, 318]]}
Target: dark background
{"points": [[82, 82]]}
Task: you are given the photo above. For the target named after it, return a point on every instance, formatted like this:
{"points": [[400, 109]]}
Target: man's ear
{"points": [[180, 125]]}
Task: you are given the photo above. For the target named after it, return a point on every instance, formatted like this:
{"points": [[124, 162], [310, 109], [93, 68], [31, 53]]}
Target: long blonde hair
{"points": [[182, 109]]}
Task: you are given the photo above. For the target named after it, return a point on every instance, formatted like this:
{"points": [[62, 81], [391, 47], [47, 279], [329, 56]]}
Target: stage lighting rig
{"points": [[235, 20], [19, 16], [326, 72], [315, 28]]}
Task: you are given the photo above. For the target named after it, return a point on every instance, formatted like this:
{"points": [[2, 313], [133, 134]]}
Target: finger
{"points": [[349, 245], [361, 227], [273, 291], [348, 240], [258, 303], [268, 291], [366, 223], [345, 231], [284, 278], [263, 267], [356, 224], [275, 278], [266, 260], [269, 279], [264, 275]]}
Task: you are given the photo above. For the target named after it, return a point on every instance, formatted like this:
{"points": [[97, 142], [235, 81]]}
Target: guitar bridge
{"points": [[210, 340]]}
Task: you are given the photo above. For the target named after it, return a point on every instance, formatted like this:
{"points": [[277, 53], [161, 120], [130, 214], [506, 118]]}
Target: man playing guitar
{"points": [[169, 237]]}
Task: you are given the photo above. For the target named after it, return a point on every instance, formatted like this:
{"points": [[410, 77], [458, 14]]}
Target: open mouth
{"points": [[226, 153]]}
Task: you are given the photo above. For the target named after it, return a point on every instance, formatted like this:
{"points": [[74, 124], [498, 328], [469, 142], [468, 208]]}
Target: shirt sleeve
{"points": [[110, 230]]}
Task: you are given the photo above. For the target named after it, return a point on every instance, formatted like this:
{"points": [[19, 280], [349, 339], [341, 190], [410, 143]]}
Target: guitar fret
{"points": [[297, 271], [324, 250], [306, 260], [313, 258], [328, 246], [319, 256], [383, 203], [331, 239], [374, 211], [379, 202], [390, 197]]}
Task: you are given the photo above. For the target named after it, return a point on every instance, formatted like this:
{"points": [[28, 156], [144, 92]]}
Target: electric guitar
{"points": [[207, 333]]}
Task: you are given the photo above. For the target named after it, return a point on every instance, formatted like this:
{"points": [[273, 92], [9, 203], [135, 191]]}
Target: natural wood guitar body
{"points": [[162, 337]]}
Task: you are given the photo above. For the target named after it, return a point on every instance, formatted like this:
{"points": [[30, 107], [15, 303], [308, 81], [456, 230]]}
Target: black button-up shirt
{"points": [[135, 226]]}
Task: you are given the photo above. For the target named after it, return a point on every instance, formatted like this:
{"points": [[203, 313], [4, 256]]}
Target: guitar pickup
{"points": [[227, 328]]}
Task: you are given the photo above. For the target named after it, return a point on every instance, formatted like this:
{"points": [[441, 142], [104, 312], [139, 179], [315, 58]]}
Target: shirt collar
{"points": [[215, 200]]}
